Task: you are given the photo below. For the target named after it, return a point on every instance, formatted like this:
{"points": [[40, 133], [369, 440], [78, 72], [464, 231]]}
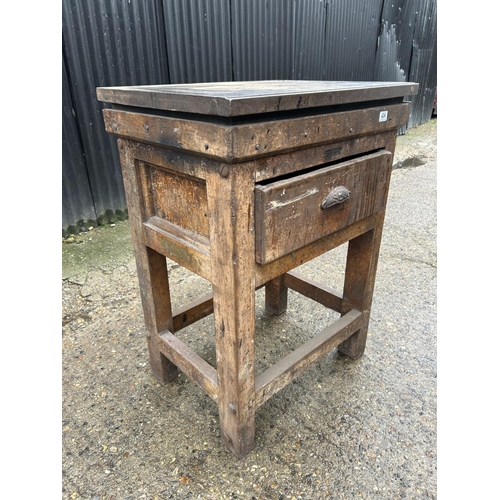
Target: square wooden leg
{"points": [[276, 295], [157, 306], [361, 267], [163, 369], [152, 273], [230, 201]]}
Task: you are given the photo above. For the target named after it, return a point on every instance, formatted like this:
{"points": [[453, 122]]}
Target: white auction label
{"points": [[383, 116]]}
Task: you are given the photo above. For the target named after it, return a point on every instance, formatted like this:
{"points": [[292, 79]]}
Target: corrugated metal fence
{"points": [[146, 42]]}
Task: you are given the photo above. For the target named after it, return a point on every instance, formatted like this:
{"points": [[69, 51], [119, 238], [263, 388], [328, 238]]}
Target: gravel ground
{"points": [[344, 429]]}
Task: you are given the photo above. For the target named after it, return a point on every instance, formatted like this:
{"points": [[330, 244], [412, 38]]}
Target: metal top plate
{"points": [[248, 98]]}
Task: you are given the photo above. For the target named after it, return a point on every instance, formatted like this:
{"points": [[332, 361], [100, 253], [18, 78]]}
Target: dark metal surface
{"points": [[309, 40], [198, 39], [351, 33], [336, 196], [263, 38], [408, 51], [105, 43], [78, 207], [246, 98]]}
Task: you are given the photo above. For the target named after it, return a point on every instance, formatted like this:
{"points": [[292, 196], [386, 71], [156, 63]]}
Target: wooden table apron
{"points": [[239, 203]]}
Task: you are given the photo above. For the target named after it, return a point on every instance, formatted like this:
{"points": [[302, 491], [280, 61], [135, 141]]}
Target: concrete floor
{"points": [[344, 429]]}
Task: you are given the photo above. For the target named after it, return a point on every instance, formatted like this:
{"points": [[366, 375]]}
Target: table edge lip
{"points": [[232, 106]]}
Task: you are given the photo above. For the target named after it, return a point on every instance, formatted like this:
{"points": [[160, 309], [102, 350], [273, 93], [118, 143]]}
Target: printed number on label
{"points": [[383, 116]]}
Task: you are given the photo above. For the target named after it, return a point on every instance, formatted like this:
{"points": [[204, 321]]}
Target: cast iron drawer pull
{"points": [[336, 196]]}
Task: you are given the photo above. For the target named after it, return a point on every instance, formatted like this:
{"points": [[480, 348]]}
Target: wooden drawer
{"points": [[289, 213]]}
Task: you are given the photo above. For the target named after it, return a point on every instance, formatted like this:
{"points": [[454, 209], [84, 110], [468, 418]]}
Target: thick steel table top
{"points": [[230, 99]]}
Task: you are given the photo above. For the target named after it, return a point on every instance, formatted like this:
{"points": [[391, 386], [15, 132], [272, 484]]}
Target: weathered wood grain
{"points": [[178, 244], [151, 271], [257, 139], [242, 142], [231, 218], [173, 160], [179, 199], [265, 273], [195, 367], [276, 296], [311, 289], [190, 183], [193, 312], [291, 366], [209, 139], [289, 215], [294, 161], [360, 275], [359, 281]]}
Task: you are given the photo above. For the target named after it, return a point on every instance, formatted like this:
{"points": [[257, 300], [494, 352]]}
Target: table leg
{"points": [[157, 307], [232, 250], [151, 270], [361, 266], [276, 296]]}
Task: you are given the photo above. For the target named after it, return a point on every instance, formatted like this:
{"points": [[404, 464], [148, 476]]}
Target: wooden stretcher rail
{"points": [[194, 366], [313, 290], [290, 367], [200, 308], [182, 246], [196, 310]]}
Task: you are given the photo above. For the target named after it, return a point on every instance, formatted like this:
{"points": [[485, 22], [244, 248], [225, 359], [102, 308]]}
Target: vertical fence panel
{"points": [[309, 43], [108, 43], [407, 51], [352, 30], [423, 66], [263, 34], [199, 40], [78, 206]]}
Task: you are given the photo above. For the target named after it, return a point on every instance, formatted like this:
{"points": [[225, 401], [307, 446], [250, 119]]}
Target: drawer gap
{"points": [[319, 166], [259, 117]]}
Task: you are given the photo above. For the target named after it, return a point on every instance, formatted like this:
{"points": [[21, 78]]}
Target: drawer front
{"points": [[289, 213]]}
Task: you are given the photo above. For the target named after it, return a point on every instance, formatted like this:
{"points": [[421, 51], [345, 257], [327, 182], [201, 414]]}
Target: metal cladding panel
{"points": [[198, 34], [309, 44], [407, 51], [109, 43], [396, 32], [424, 69], [263, 34], [388, 63], [351, 33], [424, 62], [78, 206]]}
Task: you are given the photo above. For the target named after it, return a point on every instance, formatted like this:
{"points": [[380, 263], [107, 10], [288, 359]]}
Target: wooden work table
{"points": [[241, 182]]}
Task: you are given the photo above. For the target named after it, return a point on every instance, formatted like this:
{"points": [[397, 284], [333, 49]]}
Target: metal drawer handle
{"points": [[336, 196]]}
